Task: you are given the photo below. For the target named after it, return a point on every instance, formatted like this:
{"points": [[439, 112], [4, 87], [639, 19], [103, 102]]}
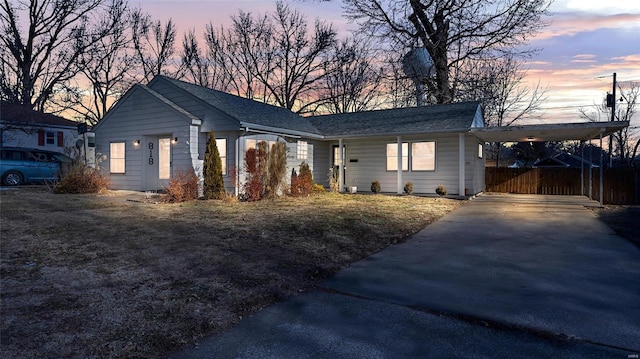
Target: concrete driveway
{"points": [[503, 276]]}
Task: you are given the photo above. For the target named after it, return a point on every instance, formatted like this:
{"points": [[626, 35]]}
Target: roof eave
{"points": [[387, 134], [279, 131]]}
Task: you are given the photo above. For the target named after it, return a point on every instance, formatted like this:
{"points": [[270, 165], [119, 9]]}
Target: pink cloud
{"points": [[566, 24]]}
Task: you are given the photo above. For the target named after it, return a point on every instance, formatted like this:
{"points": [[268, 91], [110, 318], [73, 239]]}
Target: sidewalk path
{"points": [[504, 276]]}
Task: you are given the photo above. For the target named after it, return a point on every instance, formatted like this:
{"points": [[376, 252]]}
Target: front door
{"points": [[157, 163]]}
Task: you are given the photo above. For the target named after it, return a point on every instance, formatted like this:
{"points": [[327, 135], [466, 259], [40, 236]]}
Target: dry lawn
{"points": [[624, 220], [115, 276]]}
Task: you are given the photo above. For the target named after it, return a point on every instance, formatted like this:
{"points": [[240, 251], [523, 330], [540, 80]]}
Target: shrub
{"points": [[253, 186], [212, 170], [441, 190], [408, 188], [302, 184], [375, 186], [183, 186], [276, 169], [80, 178], [334, 186], [318, 188]]}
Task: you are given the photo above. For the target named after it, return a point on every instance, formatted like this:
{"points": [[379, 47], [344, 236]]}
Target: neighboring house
{"points": [[23, 127], [158, 129], [564, 160]]}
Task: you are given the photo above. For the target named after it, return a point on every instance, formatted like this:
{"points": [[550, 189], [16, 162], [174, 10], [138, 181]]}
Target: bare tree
{"points": [[272, 58], [352, 78], [452, 31], [110, 67], [43, 41], [499, 84], [296, 54], [624, 148], [242, 52], [154, 43]]}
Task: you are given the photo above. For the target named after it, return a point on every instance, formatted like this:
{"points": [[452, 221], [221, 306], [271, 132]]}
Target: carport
{"points": [[582, 131]]}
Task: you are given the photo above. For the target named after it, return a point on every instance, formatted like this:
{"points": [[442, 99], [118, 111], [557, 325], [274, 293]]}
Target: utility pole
{"points": [[611, 102]]}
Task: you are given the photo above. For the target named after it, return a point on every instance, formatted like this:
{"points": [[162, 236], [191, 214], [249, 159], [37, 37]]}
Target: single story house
{"points": [[157, 129], [23, 127]]}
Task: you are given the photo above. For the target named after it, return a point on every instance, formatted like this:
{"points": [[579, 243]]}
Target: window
{"points": [[423, 156], [221, 143], [116, 157], [164, 158], [249, 144], [302, 150], [480, 150], [51, 138], [392, 156]]}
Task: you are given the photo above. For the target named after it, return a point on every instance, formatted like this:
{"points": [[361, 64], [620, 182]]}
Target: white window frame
{"points": [[480, 150], [117, 159], [392, 157], [302, 150], [425, 157], [50, 138]]}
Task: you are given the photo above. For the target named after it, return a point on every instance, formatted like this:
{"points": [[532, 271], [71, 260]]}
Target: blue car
{"points": [[25, 165]]}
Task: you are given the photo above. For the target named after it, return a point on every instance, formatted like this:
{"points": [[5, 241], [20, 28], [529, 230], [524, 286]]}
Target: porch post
{"points": [[399, 172], [340, 166], [601, 169], [461, 168], [236, 189]]}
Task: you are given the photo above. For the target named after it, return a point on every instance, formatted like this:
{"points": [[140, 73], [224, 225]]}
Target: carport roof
{"points": [[549, 132]]}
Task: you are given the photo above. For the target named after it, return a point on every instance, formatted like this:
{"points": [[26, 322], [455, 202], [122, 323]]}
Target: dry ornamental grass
{"points": [[118, 276]]}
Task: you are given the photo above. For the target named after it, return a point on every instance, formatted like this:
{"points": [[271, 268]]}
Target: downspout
{"points": [[399, 159]]}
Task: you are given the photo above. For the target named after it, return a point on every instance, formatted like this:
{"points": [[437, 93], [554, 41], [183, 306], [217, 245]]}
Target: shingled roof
{"points": [[246, 111], [21, 115], [400, 121]]}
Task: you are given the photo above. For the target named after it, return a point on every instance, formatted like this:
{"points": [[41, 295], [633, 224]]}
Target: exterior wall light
{"points": [[175, 140], [136, 143]]}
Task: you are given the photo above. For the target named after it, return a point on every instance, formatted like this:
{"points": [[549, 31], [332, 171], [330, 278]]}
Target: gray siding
{"points": [[321, 162], [140, 116], [371, 165], [230, 160], [213, 119], [293, 162]]}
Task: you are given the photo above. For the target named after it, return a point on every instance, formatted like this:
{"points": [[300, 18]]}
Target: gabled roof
{"points": [[456, 117], [564, 160], [246, 111], [20, 115]]}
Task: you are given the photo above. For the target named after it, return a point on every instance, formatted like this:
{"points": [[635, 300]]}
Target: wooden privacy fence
{"points": [[621, 185]]}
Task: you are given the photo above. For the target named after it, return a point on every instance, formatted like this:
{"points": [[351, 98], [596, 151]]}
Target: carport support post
{"points": [[461, 170], [601, 170], [399, 172], [582, 168]]}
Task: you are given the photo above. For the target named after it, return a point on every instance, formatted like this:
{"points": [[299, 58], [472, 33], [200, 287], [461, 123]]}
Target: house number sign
{"points": [[150, 153]]}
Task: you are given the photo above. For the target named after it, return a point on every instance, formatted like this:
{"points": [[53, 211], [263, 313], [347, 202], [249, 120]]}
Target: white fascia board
{"points": [[279, 131]]}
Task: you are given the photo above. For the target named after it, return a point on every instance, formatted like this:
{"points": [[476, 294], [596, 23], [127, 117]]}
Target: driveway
{"points": [[503, 276]]}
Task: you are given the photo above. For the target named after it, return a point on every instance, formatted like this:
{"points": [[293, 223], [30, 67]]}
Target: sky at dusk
{"points": [[586, 42]]}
